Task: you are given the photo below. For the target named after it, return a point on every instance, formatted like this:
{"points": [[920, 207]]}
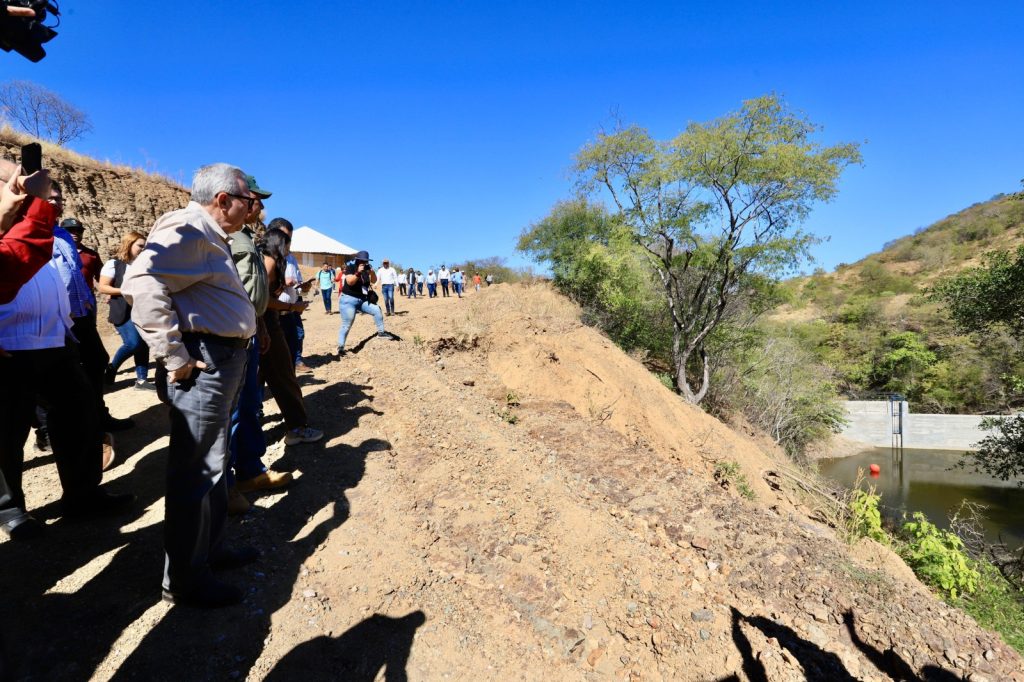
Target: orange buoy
{"points": [[875, 469]]}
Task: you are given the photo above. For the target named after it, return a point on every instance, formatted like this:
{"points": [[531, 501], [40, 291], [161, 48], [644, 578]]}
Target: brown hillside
{"points": [[110, 200], [501, 495]]}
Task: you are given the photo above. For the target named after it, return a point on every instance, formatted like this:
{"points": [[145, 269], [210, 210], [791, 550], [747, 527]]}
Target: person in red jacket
{"points": [[26, 228], [26, 245]]}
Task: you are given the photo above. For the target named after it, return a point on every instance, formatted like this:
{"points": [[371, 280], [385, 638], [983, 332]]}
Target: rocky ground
{"points": [[501, 495]]}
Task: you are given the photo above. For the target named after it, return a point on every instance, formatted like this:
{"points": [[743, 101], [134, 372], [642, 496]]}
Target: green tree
{"points": [[594, 260], [904, 363], [981, 300], [714, 209]]}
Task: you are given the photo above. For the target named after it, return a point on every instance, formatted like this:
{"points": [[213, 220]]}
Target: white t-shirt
{"points": [[109, 268], [291, 274], [431, 278], [387, 275], [443, 274]]}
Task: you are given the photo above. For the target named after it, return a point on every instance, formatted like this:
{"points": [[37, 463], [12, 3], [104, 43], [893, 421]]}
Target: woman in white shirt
{"points": [[120, 314]]}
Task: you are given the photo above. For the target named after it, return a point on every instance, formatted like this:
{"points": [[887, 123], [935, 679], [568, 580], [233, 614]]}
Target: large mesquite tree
{"points": [[716, 209]]}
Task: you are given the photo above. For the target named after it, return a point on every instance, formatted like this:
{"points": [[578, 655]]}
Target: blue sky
{"points": [[433, 132]]}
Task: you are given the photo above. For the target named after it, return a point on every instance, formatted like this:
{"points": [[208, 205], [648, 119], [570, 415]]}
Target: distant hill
{"points": [[870, 322]]}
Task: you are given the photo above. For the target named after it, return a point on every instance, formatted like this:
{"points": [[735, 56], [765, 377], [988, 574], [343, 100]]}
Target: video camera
{"points": [[22, 28]]}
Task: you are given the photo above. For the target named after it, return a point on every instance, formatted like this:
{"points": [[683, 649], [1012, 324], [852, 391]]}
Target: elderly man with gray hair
{"points": [[191, 309]]}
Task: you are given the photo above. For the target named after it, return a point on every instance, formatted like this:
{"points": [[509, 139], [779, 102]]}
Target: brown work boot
{"points": [[268, 480], [109, 454], [237, 504]]}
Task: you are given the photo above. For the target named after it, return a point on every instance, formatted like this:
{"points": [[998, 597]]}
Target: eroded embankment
{"points": [[502, 494]]}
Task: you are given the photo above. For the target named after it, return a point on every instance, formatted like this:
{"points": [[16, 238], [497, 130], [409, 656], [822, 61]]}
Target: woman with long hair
{"points": [[120, 314]]}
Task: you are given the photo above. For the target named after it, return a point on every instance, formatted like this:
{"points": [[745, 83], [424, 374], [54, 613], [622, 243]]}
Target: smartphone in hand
{"points": [[31, 158]]}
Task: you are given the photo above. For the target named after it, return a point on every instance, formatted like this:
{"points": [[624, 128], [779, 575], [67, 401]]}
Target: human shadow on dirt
{"points": [[817, 663], [54, 630], [226, 644], [127, 442], [359, 655], [891, 663]]}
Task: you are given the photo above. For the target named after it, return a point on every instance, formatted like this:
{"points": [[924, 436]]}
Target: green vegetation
{"points": [[865, 520], [983, 301], [883, 324], [704, 226], [729, 474], [940, 559]]}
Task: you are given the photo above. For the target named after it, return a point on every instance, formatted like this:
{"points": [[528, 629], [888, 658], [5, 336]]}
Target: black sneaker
{"points": [[226, 559], [387, 335], [100, 503], [42, 441], [341, 352], [209, 594], [143, 385]]}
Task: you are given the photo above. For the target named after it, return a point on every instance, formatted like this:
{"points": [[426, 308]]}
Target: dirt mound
{"points": [[502, 494], [109, 199]]}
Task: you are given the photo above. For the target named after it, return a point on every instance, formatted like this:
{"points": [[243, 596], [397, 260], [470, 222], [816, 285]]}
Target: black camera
{"points": [[22, 29]]}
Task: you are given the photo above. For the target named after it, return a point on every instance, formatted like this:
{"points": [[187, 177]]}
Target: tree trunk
{"points": [[684, 383]]}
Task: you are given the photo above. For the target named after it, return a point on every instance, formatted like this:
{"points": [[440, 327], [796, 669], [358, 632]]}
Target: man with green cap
{"points": [[248, 444]]}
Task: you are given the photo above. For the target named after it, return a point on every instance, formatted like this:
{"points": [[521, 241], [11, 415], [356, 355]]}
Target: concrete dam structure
{"points": [[873, 423]]}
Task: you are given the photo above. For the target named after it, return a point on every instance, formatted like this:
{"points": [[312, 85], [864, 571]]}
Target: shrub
{"points": [[938, 557], [865, 520], [729, 473]]}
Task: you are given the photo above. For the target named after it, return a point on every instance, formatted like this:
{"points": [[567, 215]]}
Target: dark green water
{"points": [[928, 485]]}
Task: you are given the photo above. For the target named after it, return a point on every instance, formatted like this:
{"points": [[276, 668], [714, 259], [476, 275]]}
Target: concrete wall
{"points": [[870, 422]]}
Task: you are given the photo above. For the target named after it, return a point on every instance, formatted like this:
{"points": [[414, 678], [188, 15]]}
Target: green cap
{"points": [[255, 188]]}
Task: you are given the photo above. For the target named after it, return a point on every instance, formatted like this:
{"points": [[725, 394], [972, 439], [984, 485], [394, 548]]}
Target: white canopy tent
{"points": [[311, 248]]}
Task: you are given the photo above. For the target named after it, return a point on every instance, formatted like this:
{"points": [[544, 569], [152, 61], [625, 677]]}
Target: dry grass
{"points": [[537, 302], [12, 139]]}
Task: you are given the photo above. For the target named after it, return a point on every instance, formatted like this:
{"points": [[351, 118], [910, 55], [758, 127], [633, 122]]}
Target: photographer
{"points": [[357, 295]]}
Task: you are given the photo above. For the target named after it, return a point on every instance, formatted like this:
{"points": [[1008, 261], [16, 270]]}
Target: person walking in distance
{"points": [[410, 282], [476, 281], [388, 278], [443, 276], [191, 309], [326, 279], [357, 281], [419, 282], [120, 313], [457, 280], [431, 284]]}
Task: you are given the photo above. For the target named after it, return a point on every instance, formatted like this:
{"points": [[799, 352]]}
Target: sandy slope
{"points": [[428, 534]]}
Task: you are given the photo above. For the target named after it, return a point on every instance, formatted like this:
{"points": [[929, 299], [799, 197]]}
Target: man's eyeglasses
{"points": [[252, 200]]}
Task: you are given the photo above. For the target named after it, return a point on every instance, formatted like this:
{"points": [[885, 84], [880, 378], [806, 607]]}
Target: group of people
{"points": [[218, 310]]}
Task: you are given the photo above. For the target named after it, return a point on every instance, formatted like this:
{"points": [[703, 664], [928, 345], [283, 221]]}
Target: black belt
{"points": [[232, 341]]}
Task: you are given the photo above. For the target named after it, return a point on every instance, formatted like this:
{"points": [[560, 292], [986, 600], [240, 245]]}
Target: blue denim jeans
{"points": [[248, 444], [412, 291], [432, 290], [197, 493], [294, 333], [131, 345], [326, 293], [347, 308], [388, 291]]}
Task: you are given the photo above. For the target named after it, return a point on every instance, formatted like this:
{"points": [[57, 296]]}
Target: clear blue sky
{"points": [[433, 132]]}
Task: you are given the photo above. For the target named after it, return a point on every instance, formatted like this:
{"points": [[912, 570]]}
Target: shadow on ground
{"points": [[817, 663], [50, 632]]}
